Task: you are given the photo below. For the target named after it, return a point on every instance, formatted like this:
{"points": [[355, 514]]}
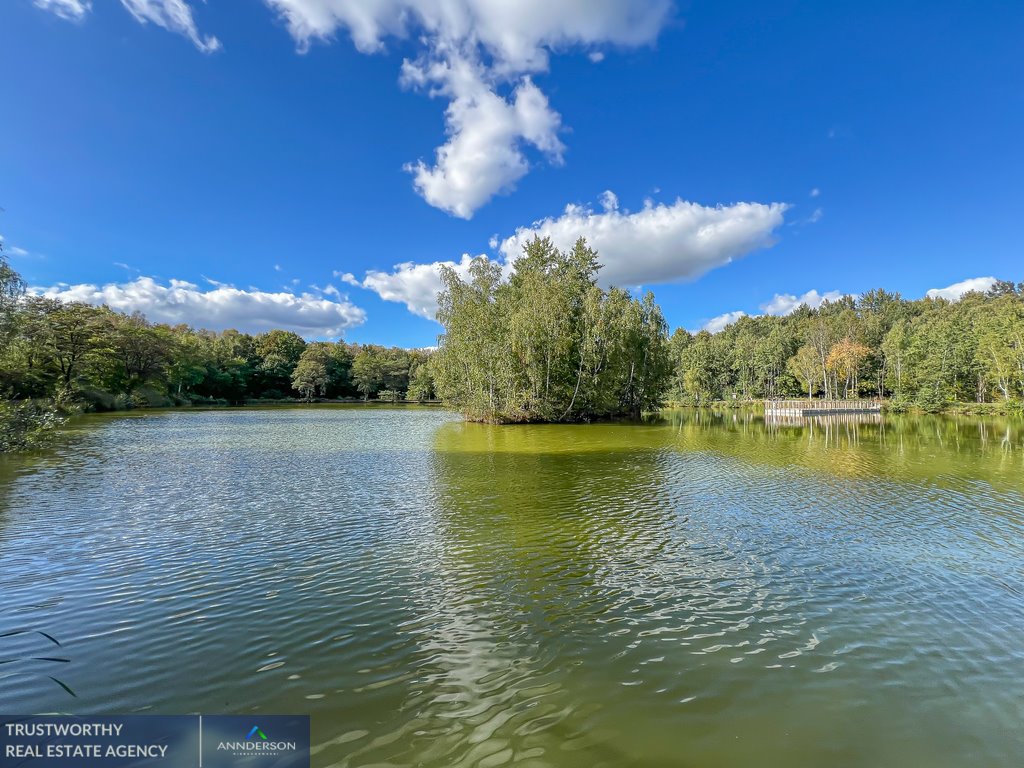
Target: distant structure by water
{"points": [[776, 408]]}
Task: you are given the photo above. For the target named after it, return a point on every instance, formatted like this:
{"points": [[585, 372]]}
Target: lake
{"points": [[703, 589]]}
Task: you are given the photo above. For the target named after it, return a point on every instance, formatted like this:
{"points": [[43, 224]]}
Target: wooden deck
{"points": [[819, 407]]}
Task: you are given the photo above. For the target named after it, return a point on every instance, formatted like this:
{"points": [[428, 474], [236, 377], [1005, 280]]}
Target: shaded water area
{"points": [[703, 589]]}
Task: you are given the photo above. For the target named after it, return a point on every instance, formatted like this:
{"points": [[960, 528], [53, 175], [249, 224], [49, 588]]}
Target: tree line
{"points": [[928, 353], [80, 356], [544, 343]]}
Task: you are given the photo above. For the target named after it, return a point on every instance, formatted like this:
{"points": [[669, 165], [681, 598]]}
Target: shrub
{"points": [[27, 424]]}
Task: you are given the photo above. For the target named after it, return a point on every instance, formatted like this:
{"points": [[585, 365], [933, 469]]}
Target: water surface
{"points": [[699, 590]]}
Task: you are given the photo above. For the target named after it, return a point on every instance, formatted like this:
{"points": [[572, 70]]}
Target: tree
{"points": [[277, 353], [806, 368], [70, 333], [844, 362], [141, 351], [421, 384], [368, 372], [12, 287], [312, 374]]}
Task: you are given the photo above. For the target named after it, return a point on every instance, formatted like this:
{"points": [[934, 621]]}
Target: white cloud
{"points": [[174, 16], [716, 324], [596, 56], [815, 192], [348, 277], [470, 51], [483, 155], [609, 200], [517, 33], [787, 303], [815, 217], [412, 284], [221, 307], [12, 250], [660, 243], [780, 304], [956, 290], [72, 10]]}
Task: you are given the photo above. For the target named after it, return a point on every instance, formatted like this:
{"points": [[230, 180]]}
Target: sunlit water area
{"points": [[702, 589]]}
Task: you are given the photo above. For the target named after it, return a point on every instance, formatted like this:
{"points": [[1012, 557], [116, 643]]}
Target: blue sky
{"points": [[270, 163]]}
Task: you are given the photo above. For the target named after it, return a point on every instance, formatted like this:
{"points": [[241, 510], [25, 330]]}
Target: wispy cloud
{"points": [[14, 251], [172, 15], [72, 10]]}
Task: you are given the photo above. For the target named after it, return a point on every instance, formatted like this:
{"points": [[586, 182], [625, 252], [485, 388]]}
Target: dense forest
{"points": [[927, 353], [57, 357], [544, 344]]}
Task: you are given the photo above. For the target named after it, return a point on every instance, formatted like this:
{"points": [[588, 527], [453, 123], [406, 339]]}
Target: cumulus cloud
{"points": [[479, 54], [483, 154], [220, 307], [787, 303], [660, 243], [412, 284], [956, 290], [72, 10], [716, 324], [780, 304], [174, 16]]}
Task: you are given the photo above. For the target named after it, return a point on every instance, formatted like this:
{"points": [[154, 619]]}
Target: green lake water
{"points": [[699, 590]]}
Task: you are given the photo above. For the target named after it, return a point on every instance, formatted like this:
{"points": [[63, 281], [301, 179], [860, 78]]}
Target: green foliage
{"points": [[12, 287], [27, 424], [548, 344], [929, 353], [56, 356], [421, 383]]}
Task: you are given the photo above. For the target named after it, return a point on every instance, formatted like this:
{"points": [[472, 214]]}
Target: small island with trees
{"points": [[538, 340]]}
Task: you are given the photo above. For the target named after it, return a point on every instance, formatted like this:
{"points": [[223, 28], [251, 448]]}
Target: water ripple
{"points": [[687, 592]]}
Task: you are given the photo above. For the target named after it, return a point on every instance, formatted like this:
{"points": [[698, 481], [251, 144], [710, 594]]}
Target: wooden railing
{"points": [[798, 407]]}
